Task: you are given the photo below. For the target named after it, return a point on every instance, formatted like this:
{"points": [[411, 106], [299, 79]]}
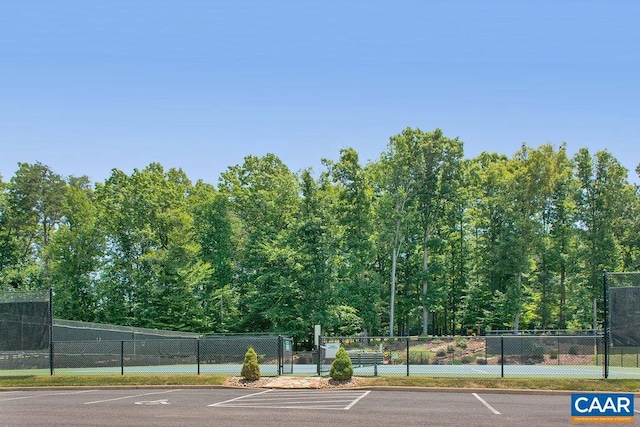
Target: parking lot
{"points": [[251, 407]]}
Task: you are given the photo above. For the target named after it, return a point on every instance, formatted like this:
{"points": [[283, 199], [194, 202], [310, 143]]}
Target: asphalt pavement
{"points": [[234, 407]]}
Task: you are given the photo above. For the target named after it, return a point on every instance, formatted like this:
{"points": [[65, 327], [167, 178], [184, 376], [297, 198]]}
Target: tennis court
{"points": [[480, 371]]}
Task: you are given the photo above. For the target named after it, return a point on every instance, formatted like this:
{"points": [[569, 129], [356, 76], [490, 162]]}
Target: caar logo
{"points": [[602, 408]]}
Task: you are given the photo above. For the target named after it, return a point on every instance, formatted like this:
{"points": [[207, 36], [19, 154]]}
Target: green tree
{"points": [[491, 254], [601, 205], [437, 168], [32, 212], [419, 176], [75, 251], [314, 237], [153, 275], [394, 188], [554, 245], [264, 198], [531, 189], [214, 231], [358, 285]]}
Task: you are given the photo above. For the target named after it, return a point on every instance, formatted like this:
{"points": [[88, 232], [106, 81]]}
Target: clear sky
{"points": [[87, 86]]}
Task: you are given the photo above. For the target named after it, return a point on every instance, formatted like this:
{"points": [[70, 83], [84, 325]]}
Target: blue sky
{"points": [[87, 86]]}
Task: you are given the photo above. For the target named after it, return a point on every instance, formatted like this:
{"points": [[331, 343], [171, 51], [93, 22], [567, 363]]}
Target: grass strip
{"points": [[609, 385]]}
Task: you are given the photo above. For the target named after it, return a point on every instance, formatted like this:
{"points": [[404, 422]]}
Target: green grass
{"points": [[567, 384], [109, 380]]}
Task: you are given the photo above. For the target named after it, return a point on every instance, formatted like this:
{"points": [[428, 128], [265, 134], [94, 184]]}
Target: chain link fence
{"points": [[212, 355], [486, 356], [84, 348]]}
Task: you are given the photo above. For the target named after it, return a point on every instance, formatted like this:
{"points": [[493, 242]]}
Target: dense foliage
{"points": [[419, 241]]}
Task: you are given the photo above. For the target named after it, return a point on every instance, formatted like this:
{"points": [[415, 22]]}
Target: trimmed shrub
{"points": [[341, 368], [250, 367]]}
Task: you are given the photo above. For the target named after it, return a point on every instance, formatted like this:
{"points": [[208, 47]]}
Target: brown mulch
{"points": [[296, 382], [243, 382]]}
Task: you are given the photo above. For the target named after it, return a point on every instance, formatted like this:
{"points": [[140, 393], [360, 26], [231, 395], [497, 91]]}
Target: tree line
{"points": [[419, 241]]}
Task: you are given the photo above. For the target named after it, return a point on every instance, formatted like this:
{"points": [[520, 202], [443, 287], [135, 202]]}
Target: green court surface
{"points": [[479, 371]]}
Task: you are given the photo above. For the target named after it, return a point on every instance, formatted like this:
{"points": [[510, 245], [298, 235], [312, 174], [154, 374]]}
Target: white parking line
{"points": [[491, 408], [36, 396], [276, 399], [357, 400], [130, 397], [238, 398]]}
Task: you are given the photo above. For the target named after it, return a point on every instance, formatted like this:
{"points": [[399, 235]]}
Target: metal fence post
{"points": [[280, 355], [408, 361], [50, 329], [121, 357], [501, 356], [51, 358], [318, 354], [198, 353], [605, 322]]}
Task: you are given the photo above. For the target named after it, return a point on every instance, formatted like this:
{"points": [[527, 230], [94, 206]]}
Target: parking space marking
{"points": [[357, 400], [238, 398], [36, 396], [491, 408], [280, 399], [130, 397], [153, 402]]}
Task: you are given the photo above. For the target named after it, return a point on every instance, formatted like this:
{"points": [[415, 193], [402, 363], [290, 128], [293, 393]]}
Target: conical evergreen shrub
{"points": [[250, 367], [341, 368]]}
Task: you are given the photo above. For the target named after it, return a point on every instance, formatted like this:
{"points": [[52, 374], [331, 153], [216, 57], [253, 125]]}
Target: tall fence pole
{"points": [[198, 353], [408, 359], [501, 357], [51, 361], [319, 346], [605, 322], [280, 355]]}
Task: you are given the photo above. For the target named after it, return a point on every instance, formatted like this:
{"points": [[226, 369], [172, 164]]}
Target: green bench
{"points": [[365, 358]]}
